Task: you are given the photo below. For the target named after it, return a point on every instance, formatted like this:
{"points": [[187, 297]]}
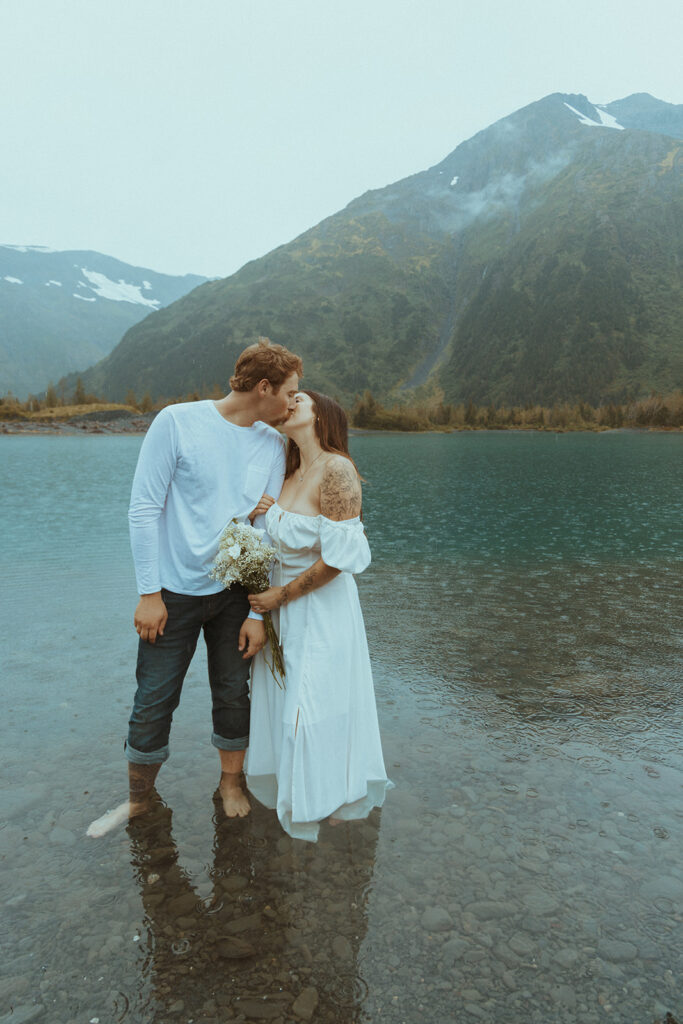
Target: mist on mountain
{"points": [[538, 262]]}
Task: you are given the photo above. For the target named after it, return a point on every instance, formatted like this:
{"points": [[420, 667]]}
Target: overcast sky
{"points": [[194, 135]]}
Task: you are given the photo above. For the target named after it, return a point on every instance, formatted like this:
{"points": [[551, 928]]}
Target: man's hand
{"points": [[264, 503], [252, 637], [150, 617]]}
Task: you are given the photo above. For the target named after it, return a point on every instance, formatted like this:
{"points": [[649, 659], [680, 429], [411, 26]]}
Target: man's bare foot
{"points": [[141, 778], [112, 819], [235, 802]]}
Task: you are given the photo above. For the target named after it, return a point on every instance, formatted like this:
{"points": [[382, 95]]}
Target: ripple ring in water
{"points": [[657, 925], [599, 765], [665, 906], [210, 905], [348, 991], [121, 1014]]}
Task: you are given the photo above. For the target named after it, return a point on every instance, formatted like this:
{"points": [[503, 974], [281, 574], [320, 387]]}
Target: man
{"points": [[200, 465]]}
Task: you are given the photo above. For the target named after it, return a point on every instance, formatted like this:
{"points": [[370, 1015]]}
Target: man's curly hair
{"points": [[265, 361]]}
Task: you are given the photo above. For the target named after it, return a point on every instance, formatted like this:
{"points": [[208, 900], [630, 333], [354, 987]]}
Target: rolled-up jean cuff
{"points": [[241, 743], [140, 757]]}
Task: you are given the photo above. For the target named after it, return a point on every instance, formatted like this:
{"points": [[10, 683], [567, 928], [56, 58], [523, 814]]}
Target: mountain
{"points": [[538, 262], [63, 311], [647, 114]]}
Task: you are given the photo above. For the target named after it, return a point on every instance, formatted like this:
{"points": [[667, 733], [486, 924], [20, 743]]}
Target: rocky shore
{"points": [[109, 421]]}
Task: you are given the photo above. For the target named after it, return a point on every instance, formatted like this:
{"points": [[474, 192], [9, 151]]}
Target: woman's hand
{"points": [[274, 597], [264, 503]]}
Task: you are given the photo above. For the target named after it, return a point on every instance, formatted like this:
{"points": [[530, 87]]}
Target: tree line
{"points": [[654, 411], [59, 400], [367, 412]]}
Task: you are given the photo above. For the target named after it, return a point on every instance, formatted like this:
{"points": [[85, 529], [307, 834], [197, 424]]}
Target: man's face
{"points": [[279, 405]]}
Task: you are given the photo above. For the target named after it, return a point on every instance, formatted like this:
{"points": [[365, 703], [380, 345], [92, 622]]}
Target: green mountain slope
{"points": [[539, 261], [584, 300]]}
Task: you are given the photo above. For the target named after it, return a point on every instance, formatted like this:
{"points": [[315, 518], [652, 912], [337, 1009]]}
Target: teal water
{"points": [[524, 617]]}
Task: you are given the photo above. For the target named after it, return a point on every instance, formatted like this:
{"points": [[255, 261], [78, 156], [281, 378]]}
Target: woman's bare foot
{"points": [[235, 802]]}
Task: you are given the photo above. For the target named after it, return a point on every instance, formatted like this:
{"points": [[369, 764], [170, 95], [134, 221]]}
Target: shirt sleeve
{"points": [[273, 487], [343, 545], [153, 475]]}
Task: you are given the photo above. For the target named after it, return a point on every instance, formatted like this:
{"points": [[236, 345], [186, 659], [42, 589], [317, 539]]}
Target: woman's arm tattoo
{"points": [[340, 490], [309, 580]]}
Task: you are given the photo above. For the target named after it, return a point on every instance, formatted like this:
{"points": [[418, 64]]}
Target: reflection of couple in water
{"points": [[314, 746], [281, 927]]}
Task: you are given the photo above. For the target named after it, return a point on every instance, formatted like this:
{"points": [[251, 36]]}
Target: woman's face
{"points": [[303, 415]]}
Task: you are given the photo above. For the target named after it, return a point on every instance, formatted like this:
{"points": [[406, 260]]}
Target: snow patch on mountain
{"points": [[28, 248], [117, 291], [455, 180], [606, 120], [57, 283], [13, 280], [609, 120], [84, 298]]}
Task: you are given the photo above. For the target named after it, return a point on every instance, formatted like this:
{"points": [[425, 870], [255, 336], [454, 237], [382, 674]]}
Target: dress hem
{"points": [[265, 789]]}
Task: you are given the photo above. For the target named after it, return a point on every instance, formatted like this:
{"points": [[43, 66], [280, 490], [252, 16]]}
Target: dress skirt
{"points": [[314, 745]]}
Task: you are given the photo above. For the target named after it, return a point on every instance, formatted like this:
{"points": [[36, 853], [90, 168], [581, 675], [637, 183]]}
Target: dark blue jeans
{"points": [[162, 667]]}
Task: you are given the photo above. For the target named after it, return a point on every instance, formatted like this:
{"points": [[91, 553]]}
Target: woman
{"points": [[314, 745]]}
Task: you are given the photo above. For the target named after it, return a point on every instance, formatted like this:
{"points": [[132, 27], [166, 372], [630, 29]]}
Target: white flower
{"points": [[243, 556]]}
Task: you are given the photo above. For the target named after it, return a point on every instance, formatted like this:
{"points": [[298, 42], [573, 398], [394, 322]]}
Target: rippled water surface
{"points": [[524, 617]]}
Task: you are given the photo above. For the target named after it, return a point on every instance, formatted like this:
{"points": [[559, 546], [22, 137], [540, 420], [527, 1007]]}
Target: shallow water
{"points": [[524, 615]]}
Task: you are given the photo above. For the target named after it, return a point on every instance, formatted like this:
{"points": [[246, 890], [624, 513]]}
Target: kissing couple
{"points": [[310, 750]]}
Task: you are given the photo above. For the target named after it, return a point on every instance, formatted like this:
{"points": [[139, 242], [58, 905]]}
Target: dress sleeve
{"points": [[343, 545]]}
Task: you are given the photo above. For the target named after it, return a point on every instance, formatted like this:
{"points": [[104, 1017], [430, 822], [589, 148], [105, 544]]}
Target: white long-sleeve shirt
{"points": [[195, 472]]}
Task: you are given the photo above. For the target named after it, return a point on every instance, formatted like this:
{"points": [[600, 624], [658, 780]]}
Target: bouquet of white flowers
{"points": [[244, 557]]}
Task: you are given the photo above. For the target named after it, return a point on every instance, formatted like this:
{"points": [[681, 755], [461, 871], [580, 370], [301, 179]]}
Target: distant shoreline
{"points": [[108, 424]]}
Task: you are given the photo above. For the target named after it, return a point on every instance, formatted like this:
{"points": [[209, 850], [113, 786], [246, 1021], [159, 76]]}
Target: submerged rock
{"points": [[23, 1014], [258, 1009], [342, 948], [234, 948], [62, 836], [305, 1004], [436, 919], [617, 951]]}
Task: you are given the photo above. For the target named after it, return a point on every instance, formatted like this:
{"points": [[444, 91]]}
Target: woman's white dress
{"points": [[314, 746]]}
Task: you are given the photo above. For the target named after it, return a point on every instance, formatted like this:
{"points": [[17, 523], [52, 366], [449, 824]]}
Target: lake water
{"points": [[524, 617]]}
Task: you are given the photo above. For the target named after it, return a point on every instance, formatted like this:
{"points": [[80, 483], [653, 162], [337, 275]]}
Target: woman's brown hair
{"points": [[331, 428], [265, 361]]}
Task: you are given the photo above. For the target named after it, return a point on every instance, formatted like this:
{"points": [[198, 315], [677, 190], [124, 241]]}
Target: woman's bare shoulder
{"points": [[340, 490]]}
